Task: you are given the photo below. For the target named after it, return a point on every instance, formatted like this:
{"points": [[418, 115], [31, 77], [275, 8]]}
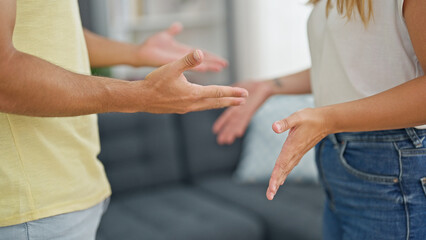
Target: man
{"points": [[51, 184]]}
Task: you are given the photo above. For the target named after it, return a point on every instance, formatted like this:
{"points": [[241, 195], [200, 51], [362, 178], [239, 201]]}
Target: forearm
{"points": [[104, 52], [33, 87], [297, 83], [400, 107]]}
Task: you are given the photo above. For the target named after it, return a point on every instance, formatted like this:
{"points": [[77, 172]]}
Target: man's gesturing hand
{"points": [[162, 48], [170, 92], [307, 127]]}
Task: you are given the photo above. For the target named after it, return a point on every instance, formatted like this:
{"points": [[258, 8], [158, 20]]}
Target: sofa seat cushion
{"points": [[204, 156], [139, 150], [295, 213], [176, 212]]}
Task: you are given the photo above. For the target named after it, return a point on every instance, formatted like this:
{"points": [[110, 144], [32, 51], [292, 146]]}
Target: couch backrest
{"points": [[203, 155], [139, 150]]}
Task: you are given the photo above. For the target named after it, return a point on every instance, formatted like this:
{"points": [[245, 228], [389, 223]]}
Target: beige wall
{"points": [[270, 37]]}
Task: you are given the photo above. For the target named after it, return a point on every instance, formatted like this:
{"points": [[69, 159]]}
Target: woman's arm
{"points": [[234, 121], [298, 83], [400, 107], [157, 50]]}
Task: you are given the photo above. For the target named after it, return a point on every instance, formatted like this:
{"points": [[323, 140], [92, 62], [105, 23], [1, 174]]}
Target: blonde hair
{"points": [[347, 8]]}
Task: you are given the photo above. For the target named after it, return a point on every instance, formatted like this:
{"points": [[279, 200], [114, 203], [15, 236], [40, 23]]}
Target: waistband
{"points": [[415, 135]]}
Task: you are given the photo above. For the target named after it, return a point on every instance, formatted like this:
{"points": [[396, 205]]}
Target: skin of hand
{"points": [[399, 107], [170, 92], [162, 48], [34, 87], [31, 86], [158, 50], [234, 121], [307, 127]]}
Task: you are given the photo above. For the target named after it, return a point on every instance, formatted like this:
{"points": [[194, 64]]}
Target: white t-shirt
{"points": [[351, 61]]}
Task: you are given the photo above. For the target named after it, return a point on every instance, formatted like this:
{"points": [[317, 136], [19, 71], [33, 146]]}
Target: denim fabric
{"points": [[375, 184], [79, 225]]}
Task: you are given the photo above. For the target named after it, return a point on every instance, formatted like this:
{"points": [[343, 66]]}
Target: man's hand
{"points": [[234, 121], [162, 48], [32, 86], [166, 90], [158, 50]]}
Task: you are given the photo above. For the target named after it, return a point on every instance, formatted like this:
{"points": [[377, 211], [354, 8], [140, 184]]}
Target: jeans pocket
{"points": [[423, 182], [369, 161]]}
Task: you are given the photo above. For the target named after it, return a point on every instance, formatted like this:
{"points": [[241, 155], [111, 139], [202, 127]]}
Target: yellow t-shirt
{"points": [[49, 166]]}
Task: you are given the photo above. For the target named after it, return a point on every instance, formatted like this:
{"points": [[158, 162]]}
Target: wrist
{"points": [[125, 96], [276, 86], [268, 88], [330, 122], [133, 58]]}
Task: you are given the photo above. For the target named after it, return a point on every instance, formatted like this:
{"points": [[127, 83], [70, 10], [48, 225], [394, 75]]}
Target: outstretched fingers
{"points": [[222, 91], [284, 163], [175, 28], [222, 120], [214, 103], [278, 176], [214, 59]]}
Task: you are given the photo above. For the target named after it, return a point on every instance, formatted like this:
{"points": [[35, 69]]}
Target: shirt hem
{"points": [[62, 208]]}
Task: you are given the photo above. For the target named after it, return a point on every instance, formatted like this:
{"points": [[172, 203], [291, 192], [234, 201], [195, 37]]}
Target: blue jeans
{"points": [[79, 225], [375, 184]]}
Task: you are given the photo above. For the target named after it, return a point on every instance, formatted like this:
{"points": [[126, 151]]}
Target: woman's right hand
{"points": [[233, 123]]}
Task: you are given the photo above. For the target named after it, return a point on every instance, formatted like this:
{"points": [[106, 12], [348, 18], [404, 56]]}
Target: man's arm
{"points": [[104, 52], [31, 86], [157, 50], [400, 107]]}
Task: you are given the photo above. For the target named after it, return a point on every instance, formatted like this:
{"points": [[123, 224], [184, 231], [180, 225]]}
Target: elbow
{"points": [[5, 102], [6, 56], [4, 108], [6, 65]]}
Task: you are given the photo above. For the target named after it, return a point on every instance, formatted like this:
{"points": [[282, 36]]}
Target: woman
{"points": [[370, 92]]}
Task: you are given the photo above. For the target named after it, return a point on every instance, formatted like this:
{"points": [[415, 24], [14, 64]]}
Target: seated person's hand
{"points": [[162, 48], [234, 121], [168, 91]]}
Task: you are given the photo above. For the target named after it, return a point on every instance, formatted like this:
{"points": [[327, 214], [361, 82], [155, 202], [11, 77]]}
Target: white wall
{"points": [[270, 38]]}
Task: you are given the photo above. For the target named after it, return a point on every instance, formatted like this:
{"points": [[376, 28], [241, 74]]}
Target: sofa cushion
{"points": [[295, 213], [176, 212], [138, 150], [203, 155], [262, 145]]}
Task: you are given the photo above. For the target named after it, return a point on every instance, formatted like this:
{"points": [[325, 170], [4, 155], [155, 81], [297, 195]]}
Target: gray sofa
{"points": [[170, 180]]}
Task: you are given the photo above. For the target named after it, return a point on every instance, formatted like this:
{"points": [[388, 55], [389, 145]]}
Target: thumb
{"points": [[189, 62], [284, 124], [175, 29]]}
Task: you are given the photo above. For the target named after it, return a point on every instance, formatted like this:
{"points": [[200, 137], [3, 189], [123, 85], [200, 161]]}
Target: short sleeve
{"points": [[401, 9]]}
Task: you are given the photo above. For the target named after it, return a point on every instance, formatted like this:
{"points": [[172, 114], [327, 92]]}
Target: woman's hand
{"points": [[234, 121], [307, 127], [162, 48]]}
